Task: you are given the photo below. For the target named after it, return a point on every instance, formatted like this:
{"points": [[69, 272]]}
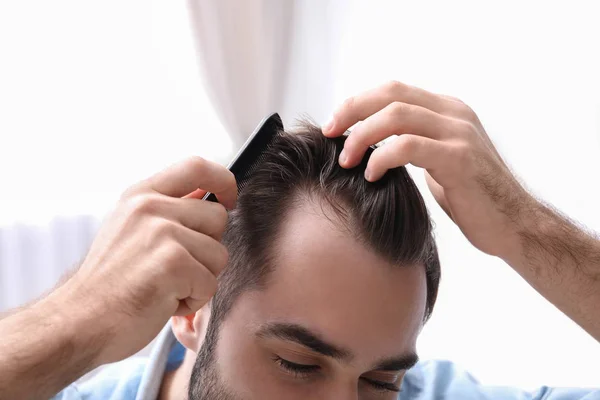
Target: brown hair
{"points": [[388, 216]]}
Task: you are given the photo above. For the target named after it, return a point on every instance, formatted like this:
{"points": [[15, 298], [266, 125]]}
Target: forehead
{"points": [[328, 281]]}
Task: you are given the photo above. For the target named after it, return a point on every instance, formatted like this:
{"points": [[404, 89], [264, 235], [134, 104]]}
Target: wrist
{"points": [[82, 329], [43, 349], [524, 224]]}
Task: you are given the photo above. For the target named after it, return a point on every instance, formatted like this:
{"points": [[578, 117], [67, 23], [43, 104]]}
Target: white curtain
{"points": [[255, 57], [33, 258], [263, 56]]}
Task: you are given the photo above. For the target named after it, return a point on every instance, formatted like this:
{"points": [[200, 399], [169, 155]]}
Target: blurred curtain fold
{"points": [[243, 50], [263, 56], [33, 258], [255, 57]]}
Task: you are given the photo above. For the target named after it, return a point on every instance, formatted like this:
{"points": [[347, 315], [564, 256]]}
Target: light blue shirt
{"points": [[140, 379]]}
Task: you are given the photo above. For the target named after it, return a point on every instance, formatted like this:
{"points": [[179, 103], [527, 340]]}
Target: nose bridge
{"points": [[343, 390]]}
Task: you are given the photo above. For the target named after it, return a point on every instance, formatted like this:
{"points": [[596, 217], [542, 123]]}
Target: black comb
{"points": [[250, 155]]}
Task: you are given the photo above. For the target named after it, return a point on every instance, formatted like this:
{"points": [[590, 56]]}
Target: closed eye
{"points": [[306, 370], [381, 386], [295, 369]]}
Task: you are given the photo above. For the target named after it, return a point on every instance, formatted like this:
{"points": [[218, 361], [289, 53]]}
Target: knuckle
{"points": [[398, 108], [217, 220], [468, 112], [394, 86], [406, 143], [464, 128], [196, 162], [144, 204], [348, 104], [220, 214], [402, 148], [355, 141], [456, 99], [463, 109], [462, 155], [161, 232], [471, 130], [173, 255], [165, 228]]}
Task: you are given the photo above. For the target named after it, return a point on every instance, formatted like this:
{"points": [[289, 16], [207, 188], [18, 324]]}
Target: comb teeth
{"points": [[253, 152], [243, 181]]}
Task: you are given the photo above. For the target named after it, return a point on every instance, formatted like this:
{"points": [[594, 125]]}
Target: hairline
{"points": [[311, 188], [298, 202]]}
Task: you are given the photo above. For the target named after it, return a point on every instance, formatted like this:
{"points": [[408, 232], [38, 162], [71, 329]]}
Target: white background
{"points": [[96, 95]]}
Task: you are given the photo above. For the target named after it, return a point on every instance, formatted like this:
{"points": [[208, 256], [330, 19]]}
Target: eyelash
{"points": [[298, 370], [304, 370], [382, 386]]}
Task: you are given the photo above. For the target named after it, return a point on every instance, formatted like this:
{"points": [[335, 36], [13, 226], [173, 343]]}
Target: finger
{"points": [[438, 194], [190, 282], [417, 150], [205, 249], [194, 173], [360, 107], [459, 109], [201, 286], [206, 217], [395, 119]]}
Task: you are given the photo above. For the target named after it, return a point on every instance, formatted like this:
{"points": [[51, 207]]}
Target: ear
{"points": [[191, 329]]}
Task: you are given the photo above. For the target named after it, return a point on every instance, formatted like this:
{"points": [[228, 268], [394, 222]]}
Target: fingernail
{"points": [[343, 157], [327, 127], [368, 175]]}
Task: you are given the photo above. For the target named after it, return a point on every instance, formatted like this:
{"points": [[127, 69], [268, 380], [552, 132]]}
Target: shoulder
{"points": [[443, 379], [435, 379], [114, 381]]}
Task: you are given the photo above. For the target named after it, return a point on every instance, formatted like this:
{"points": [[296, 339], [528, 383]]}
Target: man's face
{"points": [[335, 321]]}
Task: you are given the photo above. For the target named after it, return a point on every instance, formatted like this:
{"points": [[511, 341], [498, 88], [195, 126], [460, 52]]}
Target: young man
{"points": [[330, 276], [329, 282]]}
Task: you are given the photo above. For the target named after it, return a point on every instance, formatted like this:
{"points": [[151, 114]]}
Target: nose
{"points": [[342, 391]]}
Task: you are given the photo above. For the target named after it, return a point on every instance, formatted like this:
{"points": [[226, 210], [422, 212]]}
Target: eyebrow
{"points": [[400, 363], [303, 336]]}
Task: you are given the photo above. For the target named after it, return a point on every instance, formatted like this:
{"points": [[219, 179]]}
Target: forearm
{"points": [[561, 261], [43, 348]]}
